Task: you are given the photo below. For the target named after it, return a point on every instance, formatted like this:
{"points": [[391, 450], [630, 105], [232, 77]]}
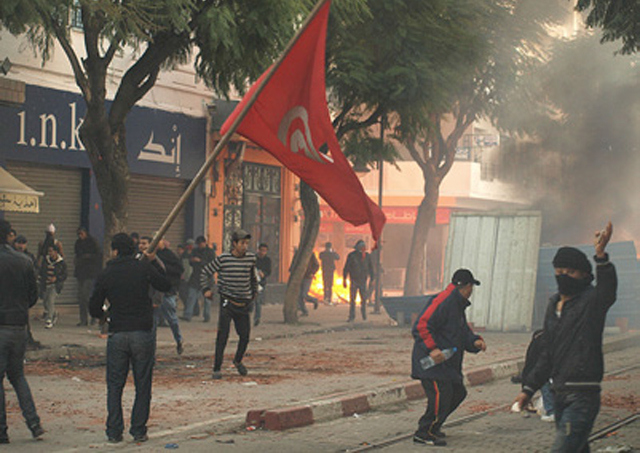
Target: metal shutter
{"points": [[61, 204], [150, 202]]}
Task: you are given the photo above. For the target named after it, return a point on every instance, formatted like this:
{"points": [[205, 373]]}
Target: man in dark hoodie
{"points": [[442, 326], [19, 292], [571, 352], [125, 283], [88, 263], [359, 269]]}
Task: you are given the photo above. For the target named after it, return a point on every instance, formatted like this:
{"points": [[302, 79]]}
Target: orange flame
{"points": [[317, 288]]}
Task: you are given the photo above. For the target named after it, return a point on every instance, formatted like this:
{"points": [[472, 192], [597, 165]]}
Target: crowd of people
{"points": [[139, 288]]}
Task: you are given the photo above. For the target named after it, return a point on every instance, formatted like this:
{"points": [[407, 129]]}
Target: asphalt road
{"points": [[497, 432]]}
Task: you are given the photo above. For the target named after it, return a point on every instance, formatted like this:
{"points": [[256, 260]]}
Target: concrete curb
{"points": [[348, 405]]}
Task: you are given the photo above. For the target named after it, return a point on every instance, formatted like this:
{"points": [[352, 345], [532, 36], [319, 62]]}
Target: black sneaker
{"points": [[140, 438], [37, 431], [180, 348], [242, 370], [439, 434], [429, 440], [4, 440], [216, 375], [114, 439]]}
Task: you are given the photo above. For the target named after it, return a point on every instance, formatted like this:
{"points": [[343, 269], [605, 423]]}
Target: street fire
{"points": [[342, 293]]}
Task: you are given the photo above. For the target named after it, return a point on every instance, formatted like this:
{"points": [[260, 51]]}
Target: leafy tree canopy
{"points": [[619, 20]]}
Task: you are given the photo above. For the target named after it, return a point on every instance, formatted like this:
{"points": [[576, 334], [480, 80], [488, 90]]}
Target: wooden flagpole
{"points": [[225, 138]]}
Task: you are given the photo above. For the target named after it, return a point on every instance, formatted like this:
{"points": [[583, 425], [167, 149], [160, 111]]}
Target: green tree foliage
{"points": [[619, 20], [232, 41], [514, 34]]}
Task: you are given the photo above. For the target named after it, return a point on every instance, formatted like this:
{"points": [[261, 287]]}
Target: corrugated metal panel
{"points": [[623, 255], [501, 249], [61, 204], [150, 201]]}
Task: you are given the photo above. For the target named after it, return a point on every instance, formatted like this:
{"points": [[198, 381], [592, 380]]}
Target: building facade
{"points": [[41, 110]]}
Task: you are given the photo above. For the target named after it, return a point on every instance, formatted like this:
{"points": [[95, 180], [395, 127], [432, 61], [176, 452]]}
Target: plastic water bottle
{"points": [[427, 362]]}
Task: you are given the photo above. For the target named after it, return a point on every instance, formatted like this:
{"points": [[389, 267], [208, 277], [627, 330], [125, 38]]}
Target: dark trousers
{"points": [[443, 397], [13, 343], [575, 414], [303, 296], [356, 288], [85, 288], [327, 283], [242, 323], [138, 350]]}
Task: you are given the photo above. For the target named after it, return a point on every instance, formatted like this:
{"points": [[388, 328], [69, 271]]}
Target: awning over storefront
{"points": [[16, 196]]}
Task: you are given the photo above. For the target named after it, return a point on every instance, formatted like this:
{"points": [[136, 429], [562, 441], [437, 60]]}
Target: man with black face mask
{"points": [[571, 353]]}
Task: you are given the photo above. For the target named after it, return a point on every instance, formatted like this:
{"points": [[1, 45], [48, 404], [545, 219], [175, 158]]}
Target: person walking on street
{"points": [[53, 273], [201, 256], [237, 286], [263, 265], [125, 282], [88, 263], [305, 286], [328, 258], [20, 245], [442, 327], [167, 308], [19, 291], [577, 311], [358, 269]]}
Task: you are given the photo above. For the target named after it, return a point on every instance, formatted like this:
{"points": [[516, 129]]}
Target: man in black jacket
{"points": [[358, 268], [125, 283], [328, 258], [19, 292], [201, 255], [442, 326], [571, 353], [88, 263], [167, 309]]}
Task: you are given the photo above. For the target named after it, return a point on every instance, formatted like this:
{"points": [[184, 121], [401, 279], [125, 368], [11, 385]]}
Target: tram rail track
{"points": [[599, 434]]}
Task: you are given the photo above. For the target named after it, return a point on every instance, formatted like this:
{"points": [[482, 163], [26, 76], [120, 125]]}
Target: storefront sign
{"points": [[46, 129], [19, 203]]}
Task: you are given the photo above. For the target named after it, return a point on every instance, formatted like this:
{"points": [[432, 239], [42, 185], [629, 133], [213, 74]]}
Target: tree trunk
{"points": [[108, 154], [416, 265], [311, 209]]}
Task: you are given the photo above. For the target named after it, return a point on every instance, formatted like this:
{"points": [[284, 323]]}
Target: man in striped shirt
{"points": [[238, 286]]}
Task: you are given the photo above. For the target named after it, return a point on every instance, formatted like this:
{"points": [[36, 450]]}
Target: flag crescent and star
{"points": [[290, 120]]}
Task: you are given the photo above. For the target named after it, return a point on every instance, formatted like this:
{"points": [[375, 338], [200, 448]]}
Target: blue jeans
{"points": [[13, 343], [192, 299], [575, 414], [548, 399], [138, 350], [304, 293], [167, 309]]}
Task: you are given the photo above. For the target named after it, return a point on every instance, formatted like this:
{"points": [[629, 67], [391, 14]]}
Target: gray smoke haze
{"points": [[581, 163]]}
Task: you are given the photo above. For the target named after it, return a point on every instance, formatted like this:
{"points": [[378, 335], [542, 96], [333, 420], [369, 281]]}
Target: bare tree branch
{"points": [[61, 35], [371, 120], [415, 154]]}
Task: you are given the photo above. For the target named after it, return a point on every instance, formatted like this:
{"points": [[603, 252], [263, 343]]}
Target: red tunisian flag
{"points": [[290, 120]]}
